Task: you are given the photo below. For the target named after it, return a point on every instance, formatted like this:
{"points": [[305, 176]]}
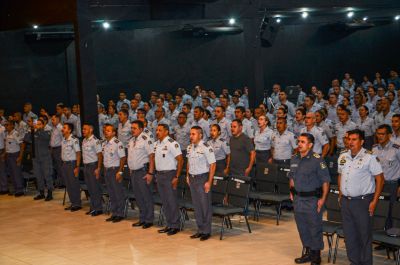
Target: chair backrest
{"points": [[238, 191], [182, 187], [381, 213], [282, 181], [332, 163], [218, 190], [396, 214], [332, 206], [265, 178]]}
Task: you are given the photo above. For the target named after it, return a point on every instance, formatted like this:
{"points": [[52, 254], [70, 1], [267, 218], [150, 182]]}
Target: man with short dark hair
{"points": [[360, 183], [309, 186], [242, 151]]}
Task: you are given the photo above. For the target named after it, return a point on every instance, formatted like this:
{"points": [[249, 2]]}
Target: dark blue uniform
{"points": [[308, 174]]}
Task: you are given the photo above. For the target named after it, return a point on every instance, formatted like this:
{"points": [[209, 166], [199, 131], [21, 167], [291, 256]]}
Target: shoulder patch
{"points": [[368, 152], [171, 140], [116, 140], [323, 165], [396, 146], [144, 137], [176, 145], [206, 144], [316, 155]]}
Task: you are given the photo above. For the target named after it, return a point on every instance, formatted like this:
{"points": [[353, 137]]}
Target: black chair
{"points": [[332, 163], [280, 193], [379, 219], [184, 200], [237, 202], [130, 196], [218, 190], [391, 243], [334, 218]]}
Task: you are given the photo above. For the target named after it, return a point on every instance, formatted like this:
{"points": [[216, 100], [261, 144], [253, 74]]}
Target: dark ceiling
{"points": [[15, 14]]}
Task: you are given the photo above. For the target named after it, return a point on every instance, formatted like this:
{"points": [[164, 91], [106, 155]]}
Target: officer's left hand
{"points": [[97, 173], [76, 171], [118, 177], [148, 178], [320, 204], [207, 187], [247, 172], [174, 183], [371, 208]]}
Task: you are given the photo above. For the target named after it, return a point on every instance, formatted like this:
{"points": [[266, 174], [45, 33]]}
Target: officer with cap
{"points": [[360, 185], [309, 186], [14, 150], [114, 160], [199, 176], [92, 160], [168, 163], [141, 167], [71, 160], [388, 154]]}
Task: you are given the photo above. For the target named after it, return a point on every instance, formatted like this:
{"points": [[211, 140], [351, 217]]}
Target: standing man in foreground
{"points": [[200, 173], [168, 162], [309, 187], [360, 185]]}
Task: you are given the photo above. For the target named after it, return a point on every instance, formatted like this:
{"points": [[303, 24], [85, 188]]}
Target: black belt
{"points": [[315, 193], [90, 164], [140, 169], [110, 168], [69, 162], [56, 147], [281, 161], [263, 151], [198, 175], [362, 197], [164, 171]]}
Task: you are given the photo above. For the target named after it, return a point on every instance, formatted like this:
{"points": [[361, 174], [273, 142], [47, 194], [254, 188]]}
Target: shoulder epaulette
{"points": [[396, 146], [375, 145], [222, 139], [144, 137], [73, 137], [316, 155], [206, 144], [368, 152], [343, 151], [116, 140], [171, 140]]}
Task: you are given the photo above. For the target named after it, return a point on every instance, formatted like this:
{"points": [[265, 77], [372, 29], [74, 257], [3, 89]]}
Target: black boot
{"points": [[40, 196], [306, 257], [49, 196], [315, 257]]}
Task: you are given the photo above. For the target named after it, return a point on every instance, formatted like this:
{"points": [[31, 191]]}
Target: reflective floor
{"points": [[38, 232]]}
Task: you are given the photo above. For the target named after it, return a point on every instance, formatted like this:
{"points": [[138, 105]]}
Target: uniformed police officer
{"points": [[71, 157], [92, 160], [223, 122], [262, 140], [14, 152], [360, 184], [198, 120], [321, 142], [221, 149], [114, 160], [309, 185], [388, 154], [3, 175], [141, 167], [182, 131], [168, 163], [283, 144], [248, 128], [124, 127], [344, 125], [55, 148], [42, 167], [199, 176]]}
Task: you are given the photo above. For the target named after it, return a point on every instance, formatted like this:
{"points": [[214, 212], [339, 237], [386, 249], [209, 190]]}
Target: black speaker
{"points": [[292, 93], [268, 33]]}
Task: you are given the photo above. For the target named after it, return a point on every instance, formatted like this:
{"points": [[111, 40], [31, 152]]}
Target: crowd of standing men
{"points": [[152, 141]]}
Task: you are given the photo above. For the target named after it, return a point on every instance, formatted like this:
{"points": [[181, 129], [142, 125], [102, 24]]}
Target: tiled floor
{"points": [[43, 233]]}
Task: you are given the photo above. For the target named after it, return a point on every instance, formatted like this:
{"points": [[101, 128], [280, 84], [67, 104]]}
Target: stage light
{"points": [[304, 14], [365, 18], [106, 25], [350, 14], [397, 17], [232, 21], [35, 26], [278, 20]]}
